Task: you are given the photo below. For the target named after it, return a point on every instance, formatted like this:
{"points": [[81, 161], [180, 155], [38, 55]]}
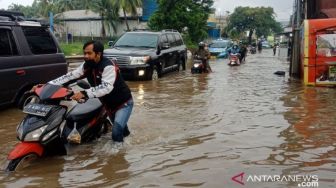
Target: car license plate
{"points": [[37, 109]]}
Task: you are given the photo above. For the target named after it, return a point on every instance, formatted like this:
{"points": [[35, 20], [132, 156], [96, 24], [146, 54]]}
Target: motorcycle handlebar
{"points": [[64, 93], [70, 93]]}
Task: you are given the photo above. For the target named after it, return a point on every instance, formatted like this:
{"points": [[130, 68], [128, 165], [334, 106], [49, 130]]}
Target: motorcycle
{"points": [[50, 126], [198, 65], [234, 59], [253, 50]]}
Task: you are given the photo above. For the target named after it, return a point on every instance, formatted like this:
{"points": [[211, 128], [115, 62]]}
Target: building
{"points": [[216, 25], [85, 23]]}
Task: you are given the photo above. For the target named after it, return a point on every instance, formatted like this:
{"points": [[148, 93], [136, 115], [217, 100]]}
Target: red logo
{"points": [[239, 178]]}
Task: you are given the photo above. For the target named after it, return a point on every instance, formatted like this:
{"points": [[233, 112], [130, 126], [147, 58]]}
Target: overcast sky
{"points": [[283, 8], [5, 3]]}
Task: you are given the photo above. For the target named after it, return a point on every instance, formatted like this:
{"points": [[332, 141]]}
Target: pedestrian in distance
{"points": [[243, 52], [274, 49], [259, 46]]}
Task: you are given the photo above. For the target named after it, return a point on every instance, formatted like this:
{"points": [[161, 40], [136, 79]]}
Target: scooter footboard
{"points": [[25, 148]]}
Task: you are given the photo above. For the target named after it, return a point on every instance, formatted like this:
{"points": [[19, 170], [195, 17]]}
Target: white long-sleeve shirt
{"points": [[107, 81]]}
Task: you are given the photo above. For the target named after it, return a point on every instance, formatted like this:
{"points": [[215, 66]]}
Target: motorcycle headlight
{"points": [[48, 135], [196, 65], [139, 60], [19, 130], [35, 135]]}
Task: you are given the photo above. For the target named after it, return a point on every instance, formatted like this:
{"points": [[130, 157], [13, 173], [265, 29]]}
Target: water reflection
{"points": [[94, 169], [309, 141], [140, 94]]}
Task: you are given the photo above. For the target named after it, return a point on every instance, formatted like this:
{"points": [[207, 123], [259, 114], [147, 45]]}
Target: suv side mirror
{"points": [[165, 45], [110, 43]]}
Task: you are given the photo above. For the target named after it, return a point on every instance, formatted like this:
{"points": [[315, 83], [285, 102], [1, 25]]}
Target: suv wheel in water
{"points": [[155, 73], [181, 65]]}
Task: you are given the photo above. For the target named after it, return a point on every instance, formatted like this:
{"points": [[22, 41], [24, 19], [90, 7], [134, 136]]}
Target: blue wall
{"points": [[148, 8], [214, 33]]}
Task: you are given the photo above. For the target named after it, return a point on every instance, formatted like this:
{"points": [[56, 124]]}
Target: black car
{"points": [[147, 55], [29, 54]]}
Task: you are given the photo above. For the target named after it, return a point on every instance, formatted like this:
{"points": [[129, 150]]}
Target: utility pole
{"points": [[51, 21], [295, 47]]}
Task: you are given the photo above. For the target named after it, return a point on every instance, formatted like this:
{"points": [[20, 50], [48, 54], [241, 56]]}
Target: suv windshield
{"points": [[137, 40], [219, 44]]}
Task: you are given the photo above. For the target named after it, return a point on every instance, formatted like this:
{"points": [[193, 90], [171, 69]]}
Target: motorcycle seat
{"points": [[87, 110]]}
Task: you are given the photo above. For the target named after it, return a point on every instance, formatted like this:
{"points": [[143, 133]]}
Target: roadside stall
{"points": [[318, 53]]}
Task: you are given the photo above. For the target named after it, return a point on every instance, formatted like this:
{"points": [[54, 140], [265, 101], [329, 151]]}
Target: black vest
{"points": [[120, 93]]}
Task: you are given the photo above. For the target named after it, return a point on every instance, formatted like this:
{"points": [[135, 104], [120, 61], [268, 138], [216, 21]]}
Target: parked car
{"points": [[147, 55], [265, 44], [219, 47], [29, 54]]}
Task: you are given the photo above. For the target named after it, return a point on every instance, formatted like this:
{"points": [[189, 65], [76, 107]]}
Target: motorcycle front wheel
{"points": [[21, 163]]}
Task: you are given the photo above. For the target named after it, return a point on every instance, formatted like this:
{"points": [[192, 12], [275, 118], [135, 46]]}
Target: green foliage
{"points": [[189, 43], [76, 48], [127, 6], [72, 49], [64, 5], [260, 20], [27, 11], [183, 14]]}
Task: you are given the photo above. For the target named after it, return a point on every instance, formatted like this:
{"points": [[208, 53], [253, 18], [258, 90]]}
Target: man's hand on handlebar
{"points": [[79, 97], [32, 90]]}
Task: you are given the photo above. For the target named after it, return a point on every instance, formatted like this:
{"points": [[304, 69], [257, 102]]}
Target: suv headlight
{"points": [[139, 60], [35, 135]]}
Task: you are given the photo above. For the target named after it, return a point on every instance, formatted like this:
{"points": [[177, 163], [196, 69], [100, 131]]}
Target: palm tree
{"points": [[127, 6], [84, 4], [107, 12], [64, 5], [43, 7]]}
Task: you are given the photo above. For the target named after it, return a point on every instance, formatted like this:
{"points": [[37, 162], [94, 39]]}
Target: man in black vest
{"points": [[106, 84]]}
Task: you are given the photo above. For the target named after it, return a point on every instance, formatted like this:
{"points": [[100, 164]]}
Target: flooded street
{"points": [[200, 131]]}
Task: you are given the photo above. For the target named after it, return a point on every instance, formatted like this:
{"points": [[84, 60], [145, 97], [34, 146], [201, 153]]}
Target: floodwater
{"points": [[200, 131]]}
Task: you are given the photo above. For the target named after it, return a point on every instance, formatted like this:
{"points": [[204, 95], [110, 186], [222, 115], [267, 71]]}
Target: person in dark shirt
{"points": [[243, 52], [259, 46], [204, 55]]}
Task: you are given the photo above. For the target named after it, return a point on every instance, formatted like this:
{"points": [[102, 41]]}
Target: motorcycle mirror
{"points": [[83, 84]]}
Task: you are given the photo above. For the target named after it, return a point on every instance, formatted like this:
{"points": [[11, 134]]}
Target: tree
{"points": [[43, 7], [183, 14], [64, 5], [127, 6], [260, 20], [26, 10], [83, 4], [108, 13]]}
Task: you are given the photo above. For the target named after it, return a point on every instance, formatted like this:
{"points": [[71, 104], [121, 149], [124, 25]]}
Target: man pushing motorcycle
{"points": [[106, 84]]}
